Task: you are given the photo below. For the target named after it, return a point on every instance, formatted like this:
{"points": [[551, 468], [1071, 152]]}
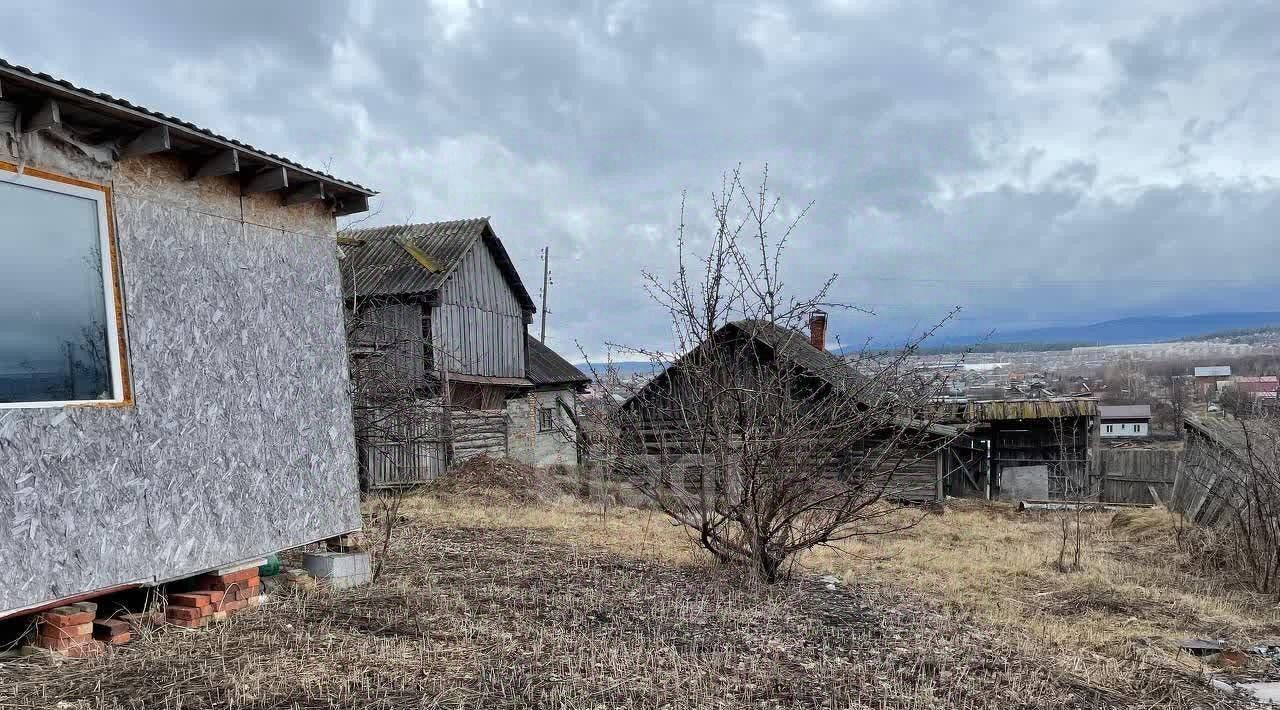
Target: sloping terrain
{"points": [[489, 604]]}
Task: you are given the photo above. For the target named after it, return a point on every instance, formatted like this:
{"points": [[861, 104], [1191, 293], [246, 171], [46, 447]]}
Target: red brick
{"points": [[239, 576], [206, 610], [82, 631], [235, 605], [59, 644], [110, 627], [184, 613], [190, 623], [214, 595], [192, 600], [117, 640], [67, 616], [85, 650]]}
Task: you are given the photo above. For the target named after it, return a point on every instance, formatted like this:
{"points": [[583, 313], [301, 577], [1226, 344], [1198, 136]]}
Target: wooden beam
{"points": [[47, 116], [224, 163], [152, 140], [268, 180], [307, 192], [352, 204]]}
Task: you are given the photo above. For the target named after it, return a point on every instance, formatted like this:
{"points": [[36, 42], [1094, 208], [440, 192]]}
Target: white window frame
{"points": [[99, 197]]}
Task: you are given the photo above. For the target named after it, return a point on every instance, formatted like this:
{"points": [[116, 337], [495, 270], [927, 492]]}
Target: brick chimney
{"points": [[818, 329]]}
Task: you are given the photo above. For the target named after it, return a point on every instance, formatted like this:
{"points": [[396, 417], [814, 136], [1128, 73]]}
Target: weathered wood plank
{"points": [[268, 180], [47, 116], [153, 140], [223, 163], [307, 192]]}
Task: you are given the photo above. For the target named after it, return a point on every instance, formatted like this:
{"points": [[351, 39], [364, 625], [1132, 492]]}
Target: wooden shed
{"points": [[437, 316], [1222, 460], [173, 381], [1059, 433]]}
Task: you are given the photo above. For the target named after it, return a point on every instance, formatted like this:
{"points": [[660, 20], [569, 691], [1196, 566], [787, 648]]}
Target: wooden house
{"points": [[815, 376], [544, 425], [173, 377], [437, 316], [448, 298]]}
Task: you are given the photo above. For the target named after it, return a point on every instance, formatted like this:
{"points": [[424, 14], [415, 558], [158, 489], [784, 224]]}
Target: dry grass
{"points": [[1135, 597], [488, 602]]}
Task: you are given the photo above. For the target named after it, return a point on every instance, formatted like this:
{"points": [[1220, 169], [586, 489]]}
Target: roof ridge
{"points": [[412, 225]]}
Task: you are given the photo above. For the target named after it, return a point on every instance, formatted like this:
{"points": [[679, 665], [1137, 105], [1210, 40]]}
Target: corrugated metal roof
{"points": [[380, 265], [1214, 371], [16, 76], [546, 367], [1125, 411]]}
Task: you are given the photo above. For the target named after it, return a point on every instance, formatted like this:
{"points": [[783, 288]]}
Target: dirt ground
{"points": [[494, 603]]}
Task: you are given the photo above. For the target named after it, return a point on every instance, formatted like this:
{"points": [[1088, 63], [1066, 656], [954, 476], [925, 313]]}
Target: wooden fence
{"points": [[1130, 475], [417, 449]]}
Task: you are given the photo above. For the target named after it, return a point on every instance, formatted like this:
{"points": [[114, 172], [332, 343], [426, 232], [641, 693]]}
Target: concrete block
{"points": [[339, 569], [1024, 483]]}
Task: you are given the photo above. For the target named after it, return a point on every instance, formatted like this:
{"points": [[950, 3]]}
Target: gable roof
{"points": [[546, 367], [1125, 411], [381, 265], [793, 346], [110, 118]]}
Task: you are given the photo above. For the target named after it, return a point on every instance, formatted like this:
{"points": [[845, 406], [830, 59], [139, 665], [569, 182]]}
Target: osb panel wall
{"points": [[240, 439]]}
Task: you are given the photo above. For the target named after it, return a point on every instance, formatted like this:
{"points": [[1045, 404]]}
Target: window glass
{"points": [[54, 318]]}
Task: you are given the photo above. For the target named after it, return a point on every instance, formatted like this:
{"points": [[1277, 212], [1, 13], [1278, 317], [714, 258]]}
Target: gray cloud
{"points": [[954, 155]]}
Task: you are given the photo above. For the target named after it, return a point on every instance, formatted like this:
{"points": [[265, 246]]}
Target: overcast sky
{"points": [[1037, 163]]}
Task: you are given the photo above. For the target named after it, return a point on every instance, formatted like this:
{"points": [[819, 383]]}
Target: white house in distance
{"points": [[1125, 421]]}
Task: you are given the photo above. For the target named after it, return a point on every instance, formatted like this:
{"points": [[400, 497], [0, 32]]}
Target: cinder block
{"points": [[339, 569]]}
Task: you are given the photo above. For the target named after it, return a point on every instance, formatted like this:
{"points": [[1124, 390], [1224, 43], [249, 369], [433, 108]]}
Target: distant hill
{"points": [[625, 367], [1144, 329]]}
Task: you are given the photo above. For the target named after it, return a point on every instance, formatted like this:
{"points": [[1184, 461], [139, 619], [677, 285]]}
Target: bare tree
{"points": [[759, 443]]}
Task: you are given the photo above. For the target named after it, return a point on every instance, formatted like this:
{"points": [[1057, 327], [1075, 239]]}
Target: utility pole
{"points": [[546, 281]]}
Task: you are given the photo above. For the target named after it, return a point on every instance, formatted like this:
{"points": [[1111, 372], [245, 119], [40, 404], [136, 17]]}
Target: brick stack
{"points": [[112, 632], [68, 630], [215, 596]]}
